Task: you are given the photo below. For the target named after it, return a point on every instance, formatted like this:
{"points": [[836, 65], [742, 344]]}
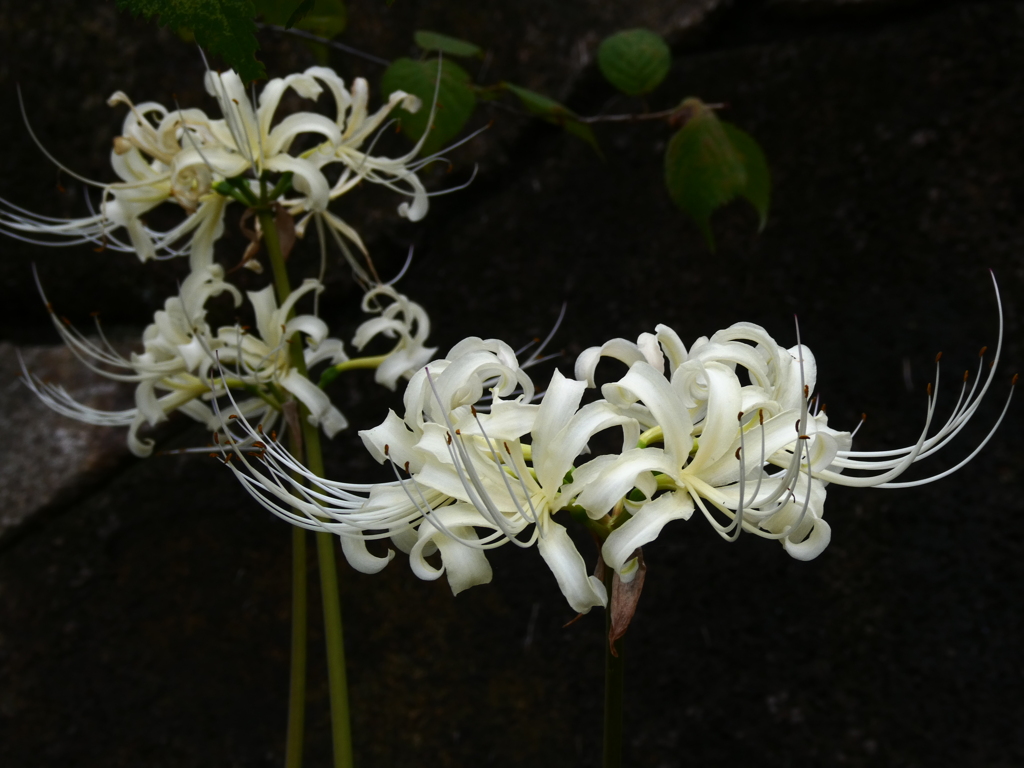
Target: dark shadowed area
{"points": [[144, 604]]}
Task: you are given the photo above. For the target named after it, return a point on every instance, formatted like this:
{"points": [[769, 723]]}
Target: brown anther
{"points": [[807, 391], [822, 409], [966, 376], [983, 351], [387, 449], [235, 100], [216, 438], [507, 449], [261, 446], [938, 357], [929, 389], [1013, 381], [233, 416], [214, 455], [739, 416], [805, 437], [259, 428], [407, 468], [448, 437], [798, 426], [863, 417], [49, 307], [458, 432], [760, 416], [472, 410], [273, 434], [65, 321], [738, 453]]}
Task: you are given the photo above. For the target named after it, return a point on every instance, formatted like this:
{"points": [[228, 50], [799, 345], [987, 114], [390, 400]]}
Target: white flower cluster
{"points": [[726, 426], [480, 458], [201, 164], [186, 366]]}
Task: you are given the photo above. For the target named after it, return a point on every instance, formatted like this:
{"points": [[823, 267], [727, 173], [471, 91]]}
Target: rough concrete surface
{"points": [[53, 457], [144, 619]]}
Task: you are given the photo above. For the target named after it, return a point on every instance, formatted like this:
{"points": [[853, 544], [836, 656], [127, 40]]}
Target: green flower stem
{"points": [[334, 371], [361, 362], [614, 664], [340, 721], [300, 620], [341, 726], [614, 677]]}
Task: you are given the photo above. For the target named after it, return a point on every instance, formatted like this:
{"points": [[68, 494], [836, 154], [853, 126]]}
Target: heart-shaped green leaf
{"points": [[634, 61], [455, 99], [435, 41], [709, 163], [758, 190], [327, 18]]}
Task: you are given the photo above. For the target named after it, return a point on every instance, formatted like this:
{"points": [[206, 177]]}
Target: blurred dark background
{"points": [[144, 604]]}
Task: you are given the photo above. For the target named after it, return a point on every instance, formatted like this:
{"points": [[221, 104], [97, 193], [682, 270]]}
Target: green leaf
{"points": [[709, 163], [455, 99], [550, 110], [435, 41], [280, 12], [328, 19], [300, 13], [325, 18], [275, 11], [634, 61], [758, 190], [224, 27]]}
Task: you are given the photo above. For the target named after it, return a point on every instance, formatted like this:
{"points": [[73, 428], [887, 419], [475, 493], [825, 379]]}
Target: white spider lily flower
{"points": [[718, 442], [471, 460], [357, 126], [173, 372], [252, 146], [361, 512], [265, 359], [465, 482], [182, 156], [401, 319], [159, 157], [514, 485], [168, 373], [255, 143]]}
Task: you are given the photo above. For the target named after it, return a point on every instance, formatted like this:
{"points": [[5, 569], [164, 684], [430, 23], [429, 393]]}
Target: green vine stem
{"points": [[337, 678]]}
